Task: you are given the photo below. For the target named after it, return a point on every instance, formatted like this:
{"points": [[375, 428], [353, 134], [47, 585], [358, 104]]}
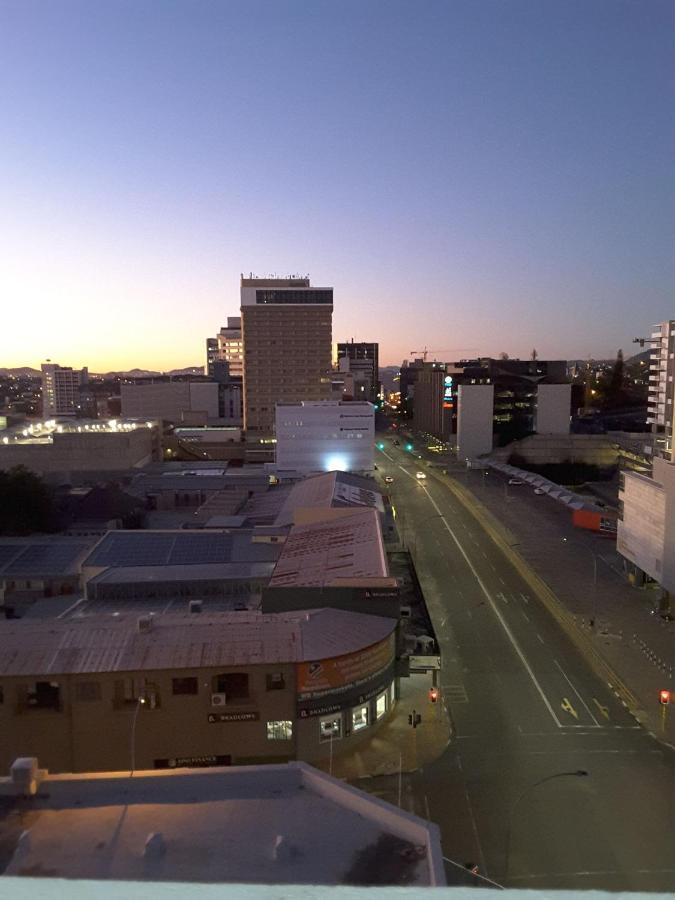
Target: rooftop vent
{"points": [[195, 606], [144, 624]]}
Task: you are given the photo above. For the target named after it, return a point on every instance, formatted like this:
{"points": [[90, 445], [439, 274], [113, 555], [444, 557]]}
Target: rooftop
{"points": [[330, 489], [41, 556], [182, 641], [44, 432], [121, 549], [272, 824], [318, 553]]}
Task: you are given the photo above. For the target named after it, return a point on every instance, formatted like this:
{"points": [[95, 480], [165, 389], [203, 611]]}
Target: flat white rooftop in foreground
{"points": [[263, 824]]}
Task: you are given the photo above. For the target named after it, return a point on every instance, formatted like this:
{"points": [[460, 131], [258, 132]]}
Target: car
{"points": [[388, 479], [420, 476], [539, 491], [515, 481]]}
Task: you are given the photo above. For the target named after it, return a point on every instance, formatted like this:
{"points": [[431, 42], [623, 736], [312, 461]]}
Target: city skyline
{"points": [[477, 175]]}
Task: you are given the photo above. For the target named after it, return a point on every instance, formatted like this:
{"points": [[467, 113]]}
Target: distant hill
{"points": [[150, 373], [22, 372]]}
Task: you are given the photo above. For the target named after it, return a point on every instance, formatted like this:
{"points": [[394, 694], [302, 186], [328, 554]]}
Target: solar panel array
{"points": [[48, 558]]}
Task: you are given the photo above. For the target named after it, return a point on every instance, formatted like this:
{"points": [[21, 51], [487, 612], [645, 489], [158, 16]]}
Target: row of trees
{"points": [[26, 503]]}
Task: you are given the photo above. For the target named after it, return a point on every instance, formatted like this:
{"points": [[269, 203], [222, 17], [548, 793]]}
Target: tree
{"points": [[616, 395], [26, 503], [534, 353], [503, 355]]}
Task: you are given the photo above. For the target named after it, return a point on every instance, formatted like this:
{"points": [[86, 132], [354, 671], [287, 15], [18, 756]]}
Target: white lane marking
{"points": [[502, 581], [525, 600], [597, 724], [524, 615], [540, 638], [500, 617], [468, 612]]}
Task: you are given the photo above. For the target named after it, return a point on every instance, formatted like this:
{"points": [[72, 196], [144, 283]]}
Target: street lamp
{"points": [[580, 773], [140, 702], [595, 575]]}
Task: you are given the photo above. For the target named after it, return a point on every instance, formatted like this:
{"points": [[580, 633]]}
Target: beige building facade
{"points": [[193, 689], [287, 336]]}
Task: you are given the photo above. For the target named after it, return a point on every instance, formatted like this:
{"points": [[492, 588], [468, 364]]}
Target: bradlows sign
{"points": [[215, 718]]}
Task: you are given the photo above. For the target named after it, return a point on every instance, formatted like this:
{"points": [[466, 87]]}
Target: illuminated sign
{"points": [[447, 393]]}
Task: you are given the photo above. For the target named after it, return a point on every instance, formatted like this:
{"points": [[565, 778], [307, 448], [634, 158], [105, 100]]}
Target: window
{"points": [[280, 731], [126, 692], [275, 680], [188, 685], [330, 728], [380, 706], [44, 695], [234, 684], [359, 718], [87, 691]]}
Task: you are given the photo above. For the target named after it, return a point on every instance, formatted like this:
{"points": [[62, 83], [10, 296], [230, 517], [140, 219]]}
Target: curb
{"points": [[547, 597]]}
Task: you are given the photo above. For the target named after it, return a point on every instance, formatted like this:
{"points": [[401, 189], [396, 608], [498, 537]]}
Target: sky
{"points": [[471, 177]]}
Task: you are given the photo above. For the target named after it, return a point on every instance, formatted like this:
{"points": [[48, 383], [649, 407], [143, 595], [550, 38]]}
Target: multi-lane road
{"points": [[529, 715]]}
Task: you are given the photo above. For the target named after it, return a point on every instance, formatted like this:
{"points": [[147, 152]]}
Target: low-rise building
{"points": [[238, 687], [275, 824], [325, 435], [60, 446]]}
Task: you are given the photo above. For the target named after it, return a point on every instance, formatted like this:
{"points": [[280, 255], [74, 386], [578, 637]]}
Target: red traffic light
{"points": [[433, 694], [664, 697]]}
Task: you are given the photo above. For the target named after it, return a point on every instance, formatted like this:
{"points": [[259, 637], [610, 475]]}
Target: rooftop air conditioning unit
{"points": [[144, 624], [195, 606], [218, 699]]}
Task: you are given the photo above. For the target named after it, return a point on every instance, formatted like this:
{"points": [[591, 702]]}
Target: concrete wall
{"points": [[323, 437], [641, 532], [204, 398], [554, 403], [108, 451], [158, 400], [474, 420], [539, 449]]}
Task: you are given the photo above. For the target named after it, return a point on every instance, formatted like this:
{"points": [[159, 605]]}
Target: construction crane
{"points": [[425, 352]]}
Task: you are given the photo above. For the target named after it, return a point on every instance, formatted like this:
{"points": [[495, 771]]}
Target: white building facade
{"points": [[61, 387], [661, 397], [554, 402], [325, 436], [646, 528], [475, 416]]}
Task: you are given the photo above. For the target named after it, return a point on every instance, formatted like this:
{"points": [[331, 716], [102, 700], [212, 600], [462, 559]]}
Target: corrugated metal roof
{"points": [[183, 641]]}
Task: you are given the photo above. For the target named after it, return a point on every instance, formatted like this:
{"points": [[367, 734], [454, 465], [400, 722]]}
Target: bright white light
{"points": [[336, 462]]}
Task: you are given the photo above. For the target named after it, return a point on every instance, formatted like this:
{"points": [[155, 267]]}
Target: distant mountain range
{"points": [[28, 372]]}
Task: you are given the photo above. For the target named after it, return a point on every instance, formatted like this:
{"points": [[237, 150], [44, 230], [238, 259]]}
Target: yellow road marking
{"points": [[567, 706], [603, 709]]}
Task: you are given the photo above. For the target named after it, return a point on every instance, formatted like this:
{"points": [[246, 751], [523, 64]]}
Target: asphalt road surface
{"points": [[527, 709]]}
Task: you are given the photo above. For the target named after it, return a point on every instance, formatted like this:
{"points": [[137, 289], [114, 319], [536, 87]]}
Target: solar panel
{"points": [[201, 549], [8, 552], [45, 558]]}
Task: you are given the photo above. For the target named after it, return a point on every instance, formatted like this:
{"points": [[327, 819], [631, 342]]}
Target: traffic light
{"points": [[433, 695], [380, 446], [408, 446], [664, 697]]}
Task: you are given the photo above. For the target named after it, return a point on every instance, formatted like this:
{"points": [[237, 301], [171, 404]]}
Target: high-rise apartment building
{"points": [[226, 347], [661, 398], [287, 335], [61, 389], [362, 361]]}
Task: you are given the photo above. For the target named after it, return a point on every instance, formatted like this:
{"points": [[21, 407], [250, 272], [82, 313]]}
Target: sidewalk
{"points": [[395, 744], [629, 645]]}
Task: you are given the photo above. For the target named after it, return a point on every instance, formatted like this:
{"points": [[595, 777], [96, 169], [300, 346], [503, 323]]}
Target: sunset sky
{"points": [[472, 176]]}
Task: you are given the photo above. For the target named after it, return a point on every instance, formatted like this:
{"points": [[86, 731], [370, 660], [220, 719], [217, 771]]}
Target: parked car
{"points": [[539, 491], [388, 479], [515, 481], [421, 476]]}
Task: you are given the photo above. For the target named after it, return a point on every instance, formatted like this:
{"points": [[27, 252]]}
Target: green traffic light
{"points": [[380, 446], [408, 446]]}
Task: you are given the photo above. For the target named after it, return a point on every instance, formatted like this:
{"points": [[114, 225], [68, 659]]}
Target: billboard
{"points": [[314, 679]]}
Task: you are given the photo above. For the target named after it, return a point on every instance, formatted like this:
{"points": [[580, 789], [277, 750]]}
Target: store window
{"points": [[330, 728], [280, 731], [188, 685], [359, 718], [380, 706]]}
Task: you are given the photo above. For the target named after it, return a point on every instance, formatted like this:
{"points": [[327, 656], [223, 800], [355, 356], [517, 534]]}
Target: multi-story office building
{"points": [[661, 398], [362, 361], [287, 336], [324, 436], [227, 347], [433, 401], [61, 389]]}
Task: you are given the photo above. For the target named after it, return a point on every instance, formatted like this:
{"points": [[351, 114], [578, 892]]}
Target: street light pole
{"points": [[595, 576], [580, 773], [139, 703]]}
